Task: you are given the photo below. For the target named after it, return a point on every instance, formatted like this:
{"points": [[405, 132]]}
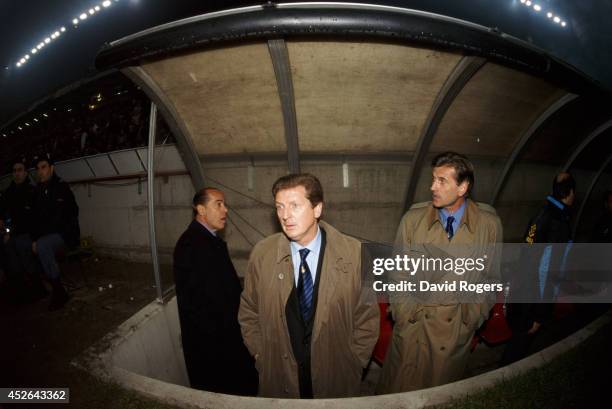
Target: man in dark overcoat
{"points": [[208, 296]]}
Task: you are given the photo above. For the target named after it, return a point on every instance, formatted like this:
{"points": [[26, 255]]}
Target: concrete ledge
{"points": [[99, 360]]}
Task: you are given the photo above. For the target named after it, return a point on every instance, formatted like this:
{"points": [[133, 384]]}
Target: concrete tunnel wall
{"points": [[370, 208]]}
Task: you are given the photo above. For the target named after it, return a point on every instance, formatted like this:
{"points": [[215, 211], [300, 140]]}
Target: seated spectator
{"points": [[55, 225]]}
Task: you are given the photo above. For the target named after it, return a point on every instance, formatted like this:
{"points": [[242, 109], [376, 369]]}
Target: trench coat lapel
{"points": [[284, 270], [332, 269]]}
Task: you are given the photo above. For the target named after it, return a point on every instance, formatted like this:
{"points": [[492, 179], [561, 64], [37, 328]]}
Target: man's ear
{"points": [[200, 209], [318, 209], [463, 188]]}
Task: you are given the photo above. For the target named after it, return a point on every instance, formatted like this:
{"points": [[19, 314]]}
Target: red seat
{"points": [[386, 329]]}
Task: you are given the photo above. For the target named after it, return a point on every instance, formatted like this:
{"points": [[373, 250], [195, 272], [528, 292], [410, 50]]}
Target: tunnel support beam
{"points": [[183, 137], [151, 199], [463, 72], [587, 195], [590, 138], [284, 84], [525, 138]]}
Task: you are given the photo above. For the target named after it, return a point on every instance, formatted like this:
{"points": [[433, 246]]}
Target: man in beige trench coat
{"points": [[431, 342], [303, 313]]}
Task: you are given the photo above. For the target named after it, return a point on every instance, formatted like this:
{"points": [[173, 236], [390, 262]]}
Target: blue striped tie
{"points": [[305, 286], [449, 227]]}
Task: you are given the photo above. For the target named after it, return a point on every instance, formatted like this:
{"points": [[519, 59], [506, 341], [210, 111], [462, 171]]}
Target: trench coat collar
{"points": [[470, 216]]}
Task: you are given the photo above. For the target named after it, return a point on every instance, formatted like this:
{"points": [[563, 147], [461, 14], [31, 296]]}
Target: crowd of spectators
{"points": [[99, 123]]}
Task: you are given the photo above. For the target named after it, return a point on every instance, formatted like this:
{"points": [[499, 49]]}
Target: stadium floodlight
{"points": [[563, 24], [23, 60], [75, 21], [27, 56], [52, 36], [106, 3], [34, 50], [528, 3], [63, 29], [557, 19], [20, 128], [46, 116], [92, 11], [57, 33], [83, 16], [523, 1], [97, 8], [537, 7], [549, 14], [47, 40], [18, 64], [35, 119], [27, 124]]}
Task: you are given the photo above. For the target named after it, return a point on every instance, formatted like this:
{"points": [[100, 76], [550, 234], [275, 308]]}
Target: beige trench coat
{"points": [[346, 322], [430, 344]]}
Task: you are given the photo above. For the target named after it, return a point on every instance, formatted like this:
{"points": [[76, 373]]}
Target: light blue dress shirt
{"points": [[312, 259], [458, 215]]}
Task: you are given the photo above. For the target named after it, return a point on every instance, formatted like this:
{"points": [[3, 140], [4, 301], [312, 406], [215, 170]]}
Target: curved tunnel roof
{"points": [[312, 80]]}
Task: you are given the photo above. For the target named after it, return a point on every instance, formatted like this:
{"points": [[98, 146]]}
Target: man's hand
{"points": [[34, 247], [534, 328]]}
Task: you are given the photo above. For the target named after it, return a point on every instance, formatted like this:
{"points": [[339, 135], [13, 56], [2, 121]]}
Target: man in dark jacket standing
{"points": [[56, 225], [16, 218], [551, 225], [208, 296]]}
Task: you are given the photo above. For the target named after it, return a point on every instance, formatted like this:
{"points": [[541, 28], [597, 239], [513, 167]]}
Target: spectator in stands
{"points": [[16, 217], [56, 225]]}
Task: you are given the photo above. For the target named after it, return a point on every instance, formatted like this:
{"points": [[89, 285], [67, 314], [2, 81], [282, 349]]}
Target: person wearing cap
{"points": [[55, 225]]}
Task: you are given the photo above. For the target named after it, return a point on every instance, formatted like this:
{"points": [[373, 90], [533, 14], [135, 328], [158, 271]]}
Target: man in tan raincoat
{"points": [[303, 313], [431, 340]]}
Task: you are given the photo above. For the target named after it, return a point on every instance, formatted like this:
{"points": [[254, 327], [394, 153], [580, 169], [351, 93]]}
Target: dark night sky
{"points": [[586, 41]]}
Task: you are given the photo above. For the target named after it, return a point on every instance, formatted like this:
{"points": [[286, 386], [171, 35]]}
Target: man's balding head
{"points": [[564, 188]]}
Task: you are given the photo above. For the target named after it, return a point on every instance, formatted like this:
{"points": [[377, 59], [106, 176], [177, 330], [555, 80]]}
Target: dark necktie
{"points": [[449, 227], [305, 286]]}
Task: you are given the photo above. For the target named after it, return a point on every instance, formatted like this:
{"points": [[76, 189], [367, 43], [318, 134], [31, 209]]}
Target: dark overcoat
{"points": [[208, 296]]}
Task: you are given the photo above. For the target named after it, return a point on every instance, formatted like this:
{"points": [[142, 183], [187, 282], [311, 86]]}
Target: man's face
{"points": [[445, 192], [297, 216], [214, 211], [19, 173], [44, 170]]}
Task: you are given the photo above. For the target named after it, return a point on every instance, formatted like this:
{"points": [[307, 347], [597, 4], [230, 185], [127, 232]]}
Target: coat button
{"points": [[442, 348], [426, 316], [285, 356], [281, 276], [449, 320]]}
